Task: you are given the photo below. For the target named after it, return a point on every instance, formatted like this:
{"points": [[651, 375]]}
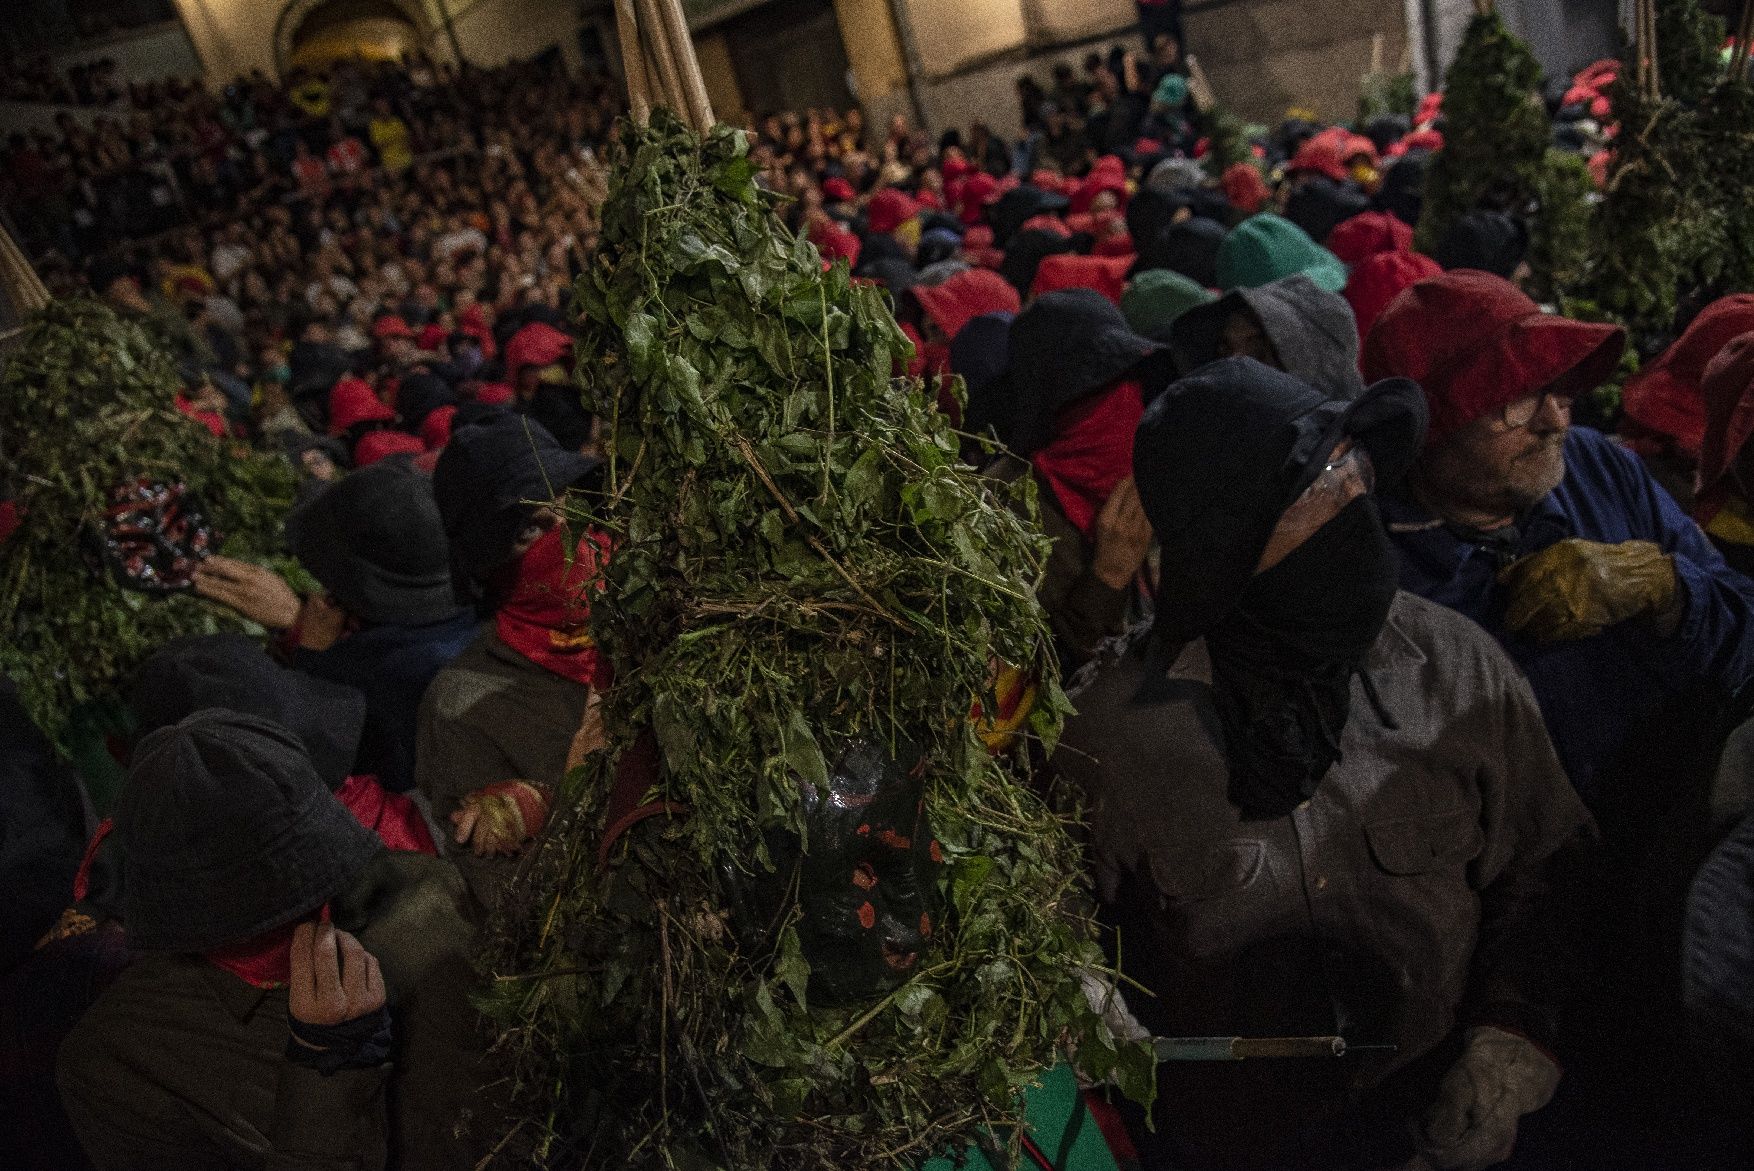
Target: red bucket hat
{"points": [[1475, 343], [1666, 397], [966, 296], [351, 402], [1368, 234], [1728, 391], [1321, 156]]}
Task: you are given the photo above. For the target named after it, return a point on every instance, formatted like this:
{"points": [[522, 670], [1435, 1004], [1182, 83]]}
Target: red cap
{"points": [[1320, 156], [966, 296], [383, 444], [836, 243], [494, 394], [1106, 274], [432, 337], [352, 401], [1476, 343], [838, 190], [390, 325], [537, 344], [889, 209]]}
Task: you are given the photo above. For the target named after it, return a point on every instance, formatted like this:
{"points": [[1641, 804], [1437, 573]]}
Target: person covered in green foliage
{"points": [[1280, 833]]}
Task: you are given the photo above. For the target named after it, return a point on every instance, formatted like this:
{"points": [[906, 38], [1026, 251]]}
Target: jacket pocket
{"points": [[1194, 876], [1420, 845]]}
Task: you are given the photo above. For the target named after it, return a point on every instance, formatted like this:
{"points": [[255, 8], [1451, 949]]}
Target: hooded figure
{"points": [[1318, 205], [376, 543], [1266, 247], [1402, 193], [1025, 253], [1724, 503], [235, 849], [1156, 299], [1378, 279], [1076, 384], [1367, 234], [232, 671], [1190, 248], [1292, 325], [1487, 241], [1016, 207], [1289, 724], [498, 723], [979, 354], [1665, 399]]}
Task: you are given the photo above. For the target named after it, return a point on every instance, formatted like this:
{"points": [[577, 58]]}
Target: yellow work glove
{"points": [[1576, 589]]}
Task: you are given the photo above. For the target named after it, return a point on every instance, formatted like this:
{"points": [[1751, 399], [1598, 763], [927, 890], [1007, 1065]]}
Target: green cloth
{"points": [[1055, 1110], [1156, 297], [1266, 248], [1172, 91]]}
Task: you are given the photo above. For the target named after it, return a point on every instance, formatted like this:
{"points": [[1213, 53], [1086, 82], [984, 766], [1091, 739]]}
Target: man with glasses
{"points": [[1317, 806], [1632, 630], [1637, 639]]}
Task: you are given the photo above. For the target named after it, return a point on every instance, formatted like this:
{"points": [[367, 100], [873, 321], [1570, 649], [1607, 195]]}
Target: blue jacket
{"points": [[1615, 696], [393, 665]]}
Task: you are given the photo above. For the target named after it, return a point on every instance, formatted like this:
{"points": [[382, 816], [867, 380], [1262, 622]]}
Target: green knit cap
{"points": [[1156, 298], [1266, 248]]}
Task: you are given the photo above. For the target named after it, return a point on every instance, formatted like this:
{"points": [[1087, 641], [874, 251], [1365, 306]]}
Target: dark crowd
{"points": [[1411, 683]]}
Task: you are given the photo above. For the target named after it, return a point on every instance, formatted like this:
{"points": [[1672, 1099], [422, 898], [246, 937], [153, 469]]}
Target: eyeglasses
{"points": [[1516, 415]]}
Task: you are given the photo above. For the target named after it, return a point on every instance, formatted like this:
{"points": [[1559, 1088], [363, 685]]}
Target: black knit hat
{"points": [[375, 541], [1221, 455], [232, 671], [489, 481], [228, 833]]}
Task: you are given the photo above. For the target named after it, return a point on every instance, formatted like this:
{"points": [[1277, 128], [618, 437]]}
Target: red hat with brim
{"points": [[1666, 397], [889, 209], [1368, 234], [1476, 343]]}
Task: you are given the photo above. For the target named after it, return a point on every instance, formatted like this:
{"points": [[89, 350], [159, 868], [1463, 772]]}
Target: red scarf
{"points": [[262, 961], [1093, 452], [547, 617]]}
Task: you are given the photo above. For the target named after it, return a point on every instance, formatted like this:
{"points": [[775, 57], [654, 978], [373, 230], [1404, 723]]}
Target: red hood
{"points": [[966, 296], [977, 192], [889, 209], [1476, 343], [537, 344], [1728, 391], [383, 444], [1245, 188], [1378, 280], [352, 401], [1367, 234], [435, 429], [1067, 270], [1665, 397], [1108, 175]]}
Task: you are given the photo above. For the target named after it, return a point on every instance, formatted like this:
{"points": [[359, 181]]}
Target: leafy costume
{"points": [[808, 593], [87, 403]]}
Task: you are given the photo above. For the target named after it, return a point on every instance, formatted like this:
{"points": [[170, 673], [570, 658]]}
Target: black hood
{"points": [[1402, 193], [232, 671], [1223, 453], [1318, 205], [1488, 241], [1064, 346], [1007, 215], [1024, 256], [1190, 248]]}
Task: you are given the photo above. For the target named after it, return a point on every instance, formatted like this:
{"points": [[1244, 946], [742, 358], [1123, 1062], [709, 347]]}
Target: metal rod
{"points": [[1246, 1048]]}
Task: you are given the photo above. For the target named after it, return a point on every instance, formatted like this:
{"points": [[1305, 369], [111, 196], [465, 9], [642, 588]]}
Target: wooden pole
{"points": [[668, 91], [23, 286], [1744, 33], [700, 103], [633, 62]]}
